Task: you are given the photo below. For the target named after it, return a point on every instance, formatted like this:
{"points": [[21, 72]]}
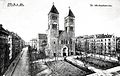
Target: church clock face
{"points": [[54, 17], [71, 20]]}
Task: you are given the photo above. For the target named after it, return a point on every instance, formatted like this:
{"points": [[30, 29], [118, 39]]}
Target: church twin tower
{"points": [[61, 42]]}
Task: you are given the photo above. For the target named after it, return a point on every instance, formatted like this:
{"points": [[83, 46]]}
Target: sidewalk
{"points": [[12, 66], [48, 59], [105, 57], [115, 69]]}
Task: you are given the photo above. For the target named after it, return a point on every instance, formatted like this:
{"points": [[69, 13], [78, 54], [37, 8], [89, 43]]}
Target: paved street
{"points": [[23, 65]]}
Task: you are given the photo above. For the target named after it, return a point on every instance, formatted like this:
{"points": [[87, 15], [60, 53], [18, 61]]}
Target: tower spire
{"points": [[70, 13], [53, 9]]}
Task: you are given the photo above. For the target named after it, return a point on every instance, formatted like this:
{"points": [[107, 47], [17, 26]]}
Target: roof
{"points": [[33, 39], [103, 36], [70, 13], [54, 10], [2, 30], [64, 35], [42, 36]]}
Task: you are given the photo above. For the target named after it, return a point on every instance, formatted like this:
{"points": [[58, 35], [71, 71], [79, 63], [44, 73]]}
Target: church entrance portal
{"points": [[65, 51]]}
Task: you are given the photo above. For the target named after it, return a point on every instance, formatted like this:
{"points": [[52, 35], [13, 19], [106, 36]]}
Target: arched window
{"points": [[54, 26], [65, 28], [71, 28], [71, 20], [54, 42], [61, 41], [66, 42], [70, 41]]}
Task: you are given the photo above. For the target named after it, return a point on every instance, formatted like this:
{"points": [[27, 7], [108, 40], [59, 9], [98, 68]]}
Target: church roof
{"points": [[54, 10], [70, 13]]}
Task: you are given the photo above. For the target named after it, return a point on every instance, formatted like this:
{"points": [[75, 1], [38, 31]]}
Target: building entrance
{"points": [[65, 51]]}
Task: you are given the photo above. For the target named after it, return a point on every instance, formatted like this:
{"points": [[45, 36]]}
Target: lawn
{"points": [[62, 68], [97, 63], [37, 68]]}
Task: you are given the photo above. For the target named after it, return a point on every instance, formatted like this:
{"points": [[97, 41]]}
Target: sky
{"points": [[32, 18]]}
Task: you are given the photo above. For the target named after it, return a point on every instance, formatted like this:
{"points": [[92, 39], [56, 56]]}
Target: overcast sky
{"points": [[32, 19]]}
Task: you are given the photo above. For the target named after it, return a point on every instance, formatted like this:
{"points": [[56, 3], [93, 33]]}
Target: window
{"points": [[70, 41], [109, 47], [66, 28], [71, 20], [66, 42], [71, 28], [9, 39], [109, 39], [48, 26], [109, 43], [54, 42], [54, 54], [71, 53], [61, 41], [65, 21], [105, 47], [54, 26]]}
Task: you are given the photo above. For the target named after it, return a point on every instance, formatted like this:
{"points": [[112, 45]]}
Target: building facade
{"points": [[118, 47], [60, 42], [41, 42], [103, 44], [10, 46], [118, 44], [3, 49], [16, 43], [33, 43]]}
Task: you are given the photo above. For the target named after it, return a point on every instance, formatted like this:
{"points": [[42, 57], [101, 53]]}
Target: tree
{"points": [[42, 51]]}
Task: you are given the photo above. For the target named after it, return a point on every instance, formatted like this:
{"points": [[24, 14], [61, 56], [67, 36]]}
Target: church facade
{"points": [[60, 42]]}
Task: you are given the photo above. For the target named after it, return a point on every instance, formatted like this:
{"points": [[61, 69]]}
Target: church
{"points": [[60, 42]]}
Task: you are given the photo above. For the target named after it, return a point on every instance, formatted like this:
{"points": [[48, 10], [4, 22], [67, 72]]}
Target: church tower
{"points": [[69, 24], [53, 30]]}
